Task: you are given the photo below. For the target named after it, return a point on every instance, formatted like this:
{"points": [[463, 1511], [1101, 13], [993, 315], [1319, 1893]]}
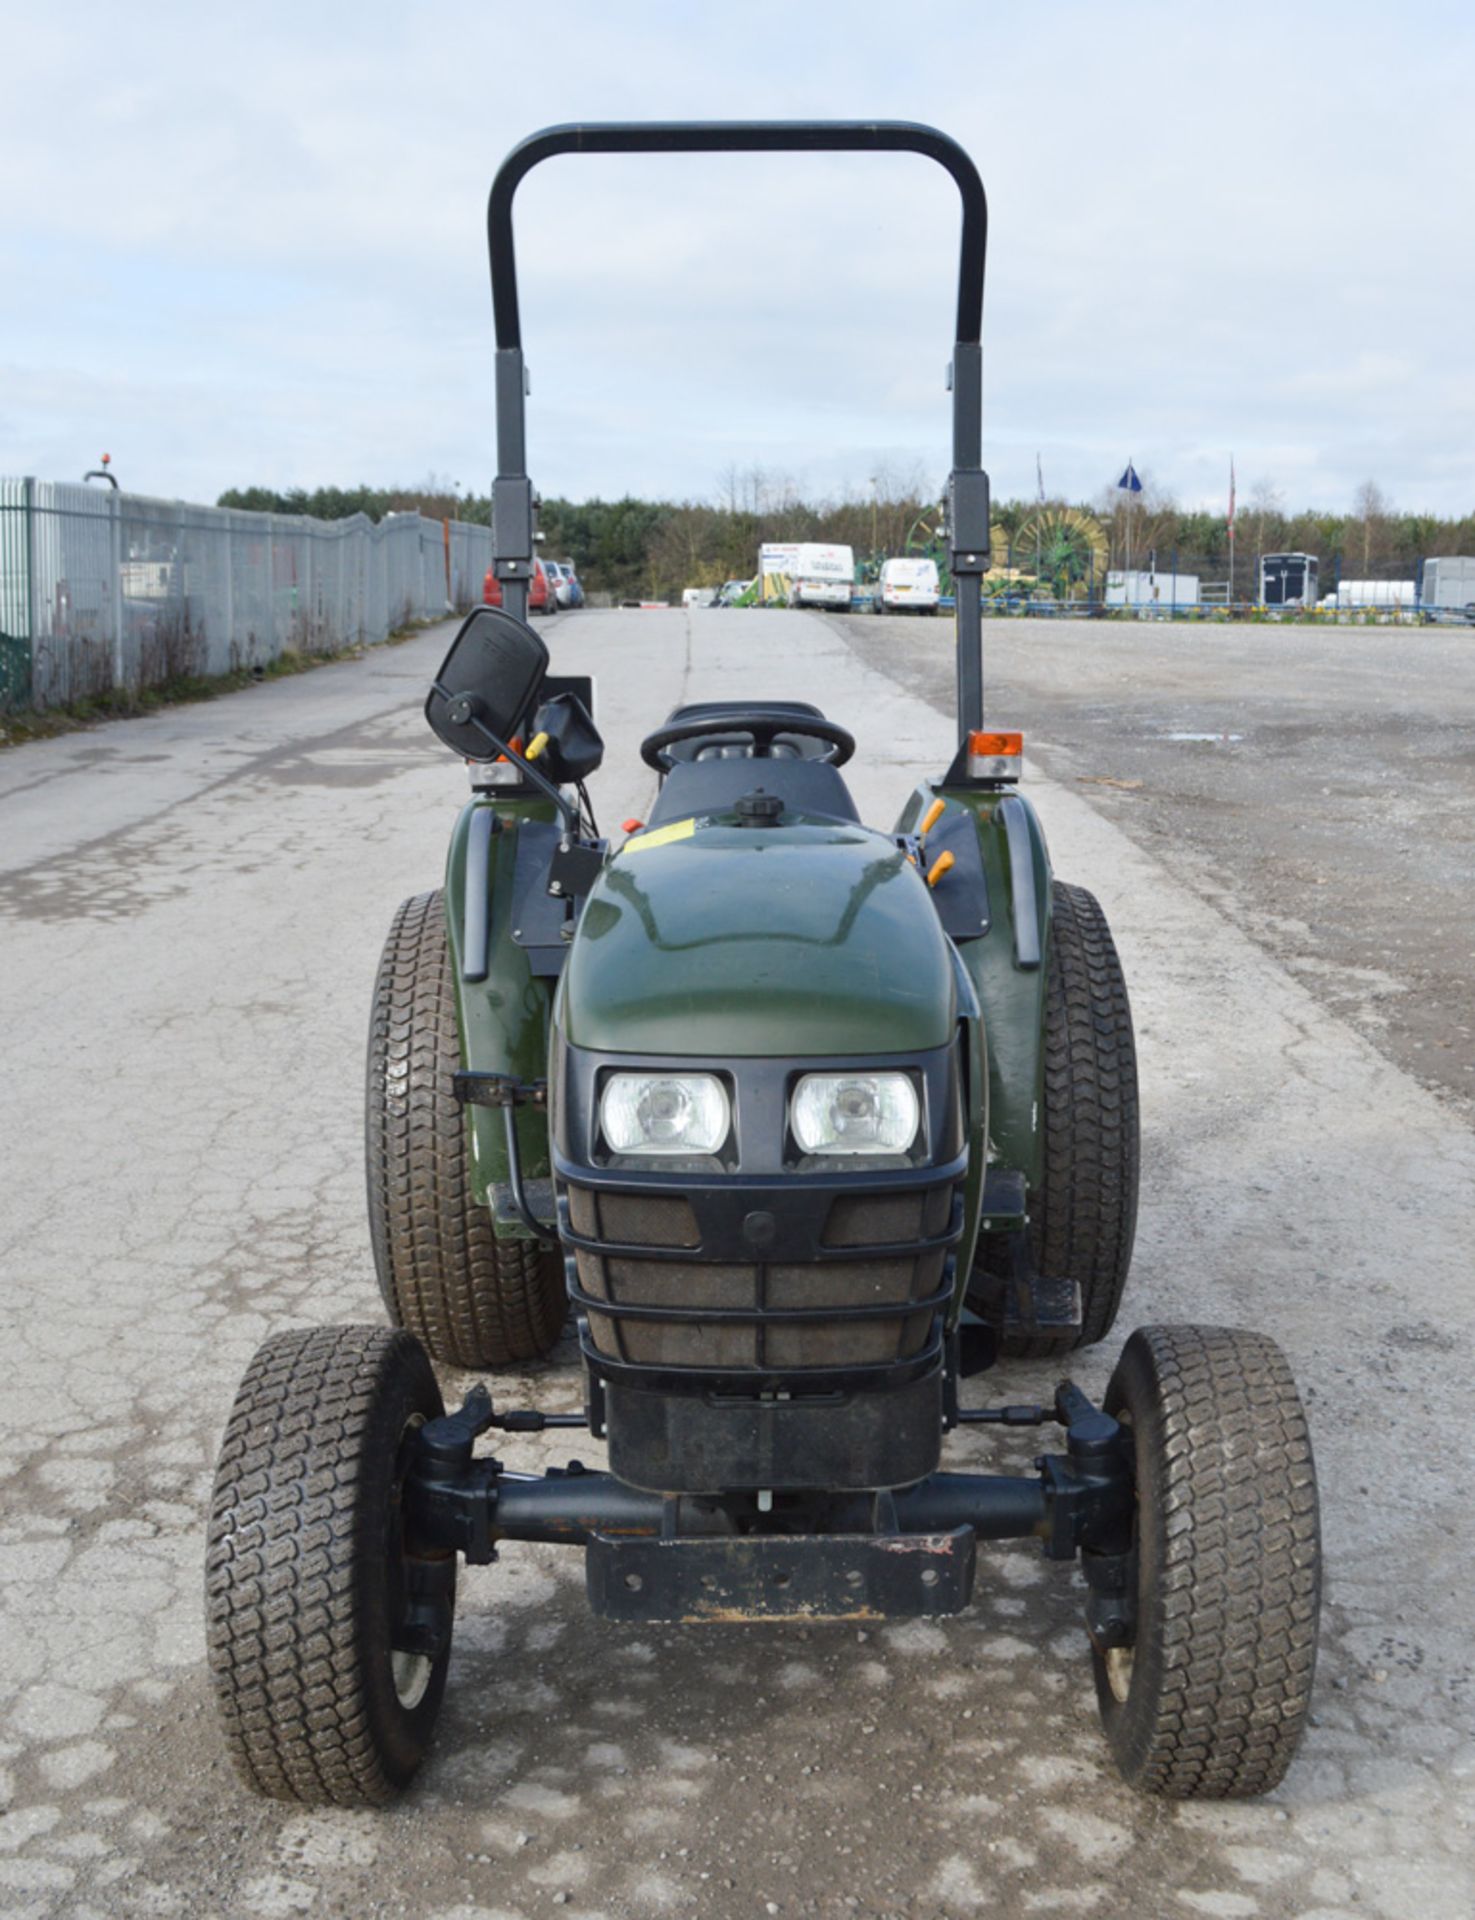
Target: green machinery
{"points": [[809, 1122]]}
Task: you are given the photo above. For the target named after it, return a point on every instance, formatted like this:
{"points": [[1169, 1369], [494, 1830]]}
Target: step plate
{"points": [[775, 1576]]}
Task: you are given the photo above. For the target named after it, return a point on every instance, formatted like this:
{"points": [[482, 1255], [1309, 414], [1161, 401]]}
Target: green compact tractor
{"points": [[809, 1121]]}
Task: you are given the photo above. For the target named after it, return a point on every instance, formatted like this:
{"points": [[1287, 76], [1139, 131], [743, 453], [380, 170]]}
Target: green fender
{"points": [[504, 1019], [1011, 997]]}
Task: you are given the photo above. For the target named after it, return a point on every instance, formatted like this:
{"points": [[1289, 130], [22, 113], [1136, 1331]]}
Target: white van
{"points": [[907, 585], [822, 576]]}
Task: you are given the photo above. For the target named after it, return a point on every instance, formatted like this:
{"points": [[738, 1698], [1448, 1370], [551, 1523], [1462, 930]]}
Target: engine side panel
{"points": [[505, 1018]]}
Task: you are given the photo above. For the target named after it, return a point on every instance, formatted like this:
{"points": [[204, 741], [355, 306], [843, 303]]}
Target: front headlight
{"points": [[854, 1113], [664, 1113]]}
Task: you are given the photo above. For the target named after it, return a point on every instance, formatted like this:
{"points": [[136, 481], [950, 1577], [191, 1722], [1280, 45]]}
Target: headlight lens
{"points": [[854, 1113], [664, 1113]]}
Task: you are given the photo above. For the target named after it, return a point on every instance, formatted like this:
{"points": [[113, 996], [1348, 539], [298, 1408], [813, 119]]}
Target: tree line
{"points": [[650, 549]]}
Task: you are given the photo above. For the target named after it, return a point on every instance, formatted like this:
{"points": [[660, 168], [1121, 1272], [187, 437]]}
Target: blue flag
{"points": [[1129, 483]]}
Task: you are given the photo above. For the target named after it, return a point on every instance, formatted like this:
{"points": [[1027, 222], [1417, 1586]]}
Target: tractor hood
{"points": [[708, 938]]}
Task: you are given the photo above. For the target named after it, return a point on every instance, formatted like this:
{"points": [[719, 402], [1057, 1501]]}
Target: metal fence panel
{"points": [[103, 590], [15, 593]]}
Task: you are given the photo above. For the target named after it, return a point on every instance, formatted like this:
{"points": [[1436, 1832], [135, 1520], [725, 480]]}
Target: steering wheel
{"points": [[762, 723]]}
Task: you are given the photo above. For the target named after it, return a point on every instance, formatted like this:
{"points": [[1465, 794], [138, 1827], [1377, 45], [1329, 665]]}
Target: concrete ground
{"points": [[192, 909]]}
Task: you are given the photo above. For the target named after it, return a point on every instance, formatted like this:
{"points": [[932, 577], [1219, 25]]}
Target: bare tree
{"points": [[1266, 503], [1148, 515], [1371, 506]]}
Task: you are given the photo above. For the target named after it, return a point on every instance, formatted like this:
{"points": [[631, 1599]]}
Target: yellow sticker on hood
{"points": [[660, 836]]}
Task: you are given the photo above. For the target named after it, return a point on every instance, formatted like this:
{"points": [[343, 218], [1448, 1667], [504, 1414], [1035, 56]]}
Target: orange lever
{"points": [[931, 817], [944, 863], [632, 826]]}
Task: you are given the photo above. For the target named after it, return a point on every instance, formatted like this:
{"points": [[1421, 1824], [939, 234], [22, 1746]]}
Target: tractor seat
{"points": [[712, 774]]}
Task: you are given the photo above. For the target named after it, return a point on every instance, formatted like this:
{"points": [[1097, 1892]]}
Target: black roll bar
{"points": [[512, 494]]}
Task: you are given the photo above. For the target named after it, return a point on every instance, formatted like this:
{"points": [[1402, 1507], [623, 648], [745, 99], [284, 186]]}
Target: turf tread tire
{"points": [[1229, 1565], [473, 1299], [1083, 1214], [298, 1644]]}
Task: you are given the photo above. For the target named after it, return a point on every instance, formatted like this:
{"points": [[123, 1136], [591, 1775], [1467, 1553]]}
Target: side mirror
{"points": [[486, 683]]}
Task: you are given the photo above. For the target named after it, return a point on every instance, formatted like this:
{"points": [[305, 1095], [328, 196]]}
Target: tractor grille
{"points": [[648, 1306]]}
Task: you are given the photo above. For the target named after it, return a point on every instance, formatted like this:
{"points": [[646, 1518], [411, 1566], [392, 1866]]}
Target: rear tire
{"points": [[1083, 1215], [307, 1579], [1211, 1699], [475, 1300]]}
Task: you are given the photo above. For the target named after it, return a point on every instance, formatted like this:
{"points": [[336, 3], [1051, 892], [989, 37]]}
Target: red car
{"points": [[541, 598]]}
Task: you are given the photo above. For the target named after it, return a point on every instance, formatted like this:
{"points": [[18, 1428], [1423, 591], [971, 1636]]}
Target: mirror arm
{"points": [[569, 813]]}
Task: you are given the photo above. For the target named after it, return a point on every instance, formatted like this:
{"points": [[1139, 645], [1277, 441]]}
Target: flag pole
{"points": [[1040, 495], [1130, 470]]}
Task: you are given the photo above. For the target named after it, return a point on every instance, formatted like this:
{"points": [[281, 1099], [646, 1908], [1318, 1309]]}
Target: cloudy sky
{"points": [[246, 245]]}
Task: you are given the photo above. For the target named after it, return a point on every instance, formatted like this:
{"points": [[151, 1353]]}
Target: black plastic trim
{"points": [[1023, 897], [476, 925]]}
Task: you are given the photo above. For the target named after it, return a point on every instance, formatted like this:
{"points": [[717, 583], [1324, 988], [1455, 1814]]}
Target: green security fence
{"points": [[102, 591], [15, 593]]}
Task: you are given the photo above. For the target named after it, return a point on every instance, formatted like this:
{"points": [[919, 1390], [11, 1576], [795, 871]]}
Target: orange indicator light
{"points": [[993, 744], [994, 756]]}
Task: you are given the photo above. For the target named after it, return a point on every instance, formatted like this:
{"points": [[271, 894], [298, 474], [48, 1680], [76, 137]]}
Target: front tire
{"points": [[327, 1686], [1083, 1215], [475, 1300], [1211, 1698]]}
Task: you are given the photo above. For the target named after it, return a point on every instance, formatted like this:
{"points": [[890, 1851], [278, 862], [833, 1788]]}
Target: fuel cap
{"points": [[759, 809]]}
